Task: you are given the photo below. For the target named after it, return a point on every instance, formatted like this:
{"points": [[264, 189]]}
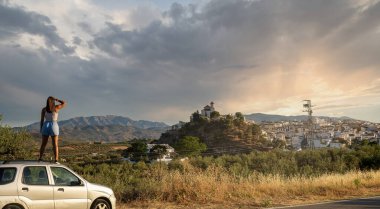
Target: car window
{"points": [[7, 175], [63, 177], [35, 175]]}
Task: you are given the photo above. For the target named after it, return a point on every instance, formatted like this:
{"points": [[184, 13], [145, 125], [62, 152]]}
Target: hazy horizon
{"points": [[170, 124], [163, 60]]}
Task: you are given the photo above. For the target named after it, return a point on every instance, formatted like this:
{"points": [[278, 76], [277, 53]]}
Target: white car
{"points": [[45, 185]]}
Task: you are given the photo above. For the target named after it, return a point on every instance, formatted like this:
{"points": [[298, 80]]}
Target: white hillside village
{"points": [[313, 133], [334, 134], [318, 132]]}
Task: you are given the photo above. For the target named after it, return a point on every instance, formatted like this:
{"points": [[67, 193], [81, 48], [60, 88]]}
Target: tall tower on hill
{"points": [[310, 125]]}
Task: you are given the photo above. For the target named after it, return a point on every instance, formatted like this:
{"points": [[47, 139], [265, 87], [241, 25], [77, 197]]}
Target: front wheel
{"points": [[13, 207], [100, 204]]}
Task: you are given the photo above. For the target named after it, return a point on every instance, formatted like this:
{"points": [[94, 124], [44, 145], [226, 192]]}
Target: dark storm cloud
{"points": [[226, 33], [356, 43], [189, 57], [16, 20], [243, 32], [28, 77], [156, 43], [95, 87], [201, 44]]}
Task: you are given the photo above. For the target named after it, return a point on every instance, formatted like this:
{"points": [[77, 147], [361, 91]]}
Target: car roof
{"points": [[26, 162]]}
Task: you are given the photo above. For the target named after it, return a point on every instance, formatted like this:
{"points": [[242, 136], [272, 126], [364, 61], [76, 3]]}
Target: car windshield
{"points": [[7, 175]]}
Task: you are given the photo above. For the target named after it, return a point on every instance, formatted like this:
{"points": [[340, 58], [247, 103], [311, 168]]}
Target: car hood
{"points": [[99, 188]]}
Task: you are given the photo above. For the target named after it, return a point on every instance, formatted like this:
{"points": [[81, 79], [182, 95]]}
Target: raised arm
{"points": [[42, 118], [60, 106]]}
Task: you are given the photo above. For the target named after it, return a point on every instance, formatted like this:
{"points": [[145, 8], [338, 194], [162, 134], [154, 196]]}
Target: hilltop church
{"points": [[208, 109]]}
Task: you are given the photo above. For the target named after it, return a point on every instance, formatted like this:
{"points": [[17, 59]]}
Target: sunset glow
{"points": [[163, 60]]}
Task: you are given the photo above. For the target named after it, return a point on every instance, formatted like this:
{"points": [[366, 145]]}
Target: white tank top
{"points": [[51, 116]]}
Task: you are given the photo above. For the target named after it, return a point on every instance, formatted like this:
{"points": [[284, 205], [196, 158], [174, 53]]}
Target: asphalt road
{"points": [[364, 203]]}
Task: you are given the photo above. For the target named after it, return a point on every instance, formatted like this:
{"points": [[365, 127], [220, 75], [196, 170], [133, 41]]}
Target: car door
{"points": [[69, 190], [34, 188]]}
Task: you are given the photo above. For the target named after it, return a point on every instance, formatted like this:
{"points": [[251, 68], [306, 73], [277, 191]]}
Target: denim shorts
{"points": [[50, 128]]}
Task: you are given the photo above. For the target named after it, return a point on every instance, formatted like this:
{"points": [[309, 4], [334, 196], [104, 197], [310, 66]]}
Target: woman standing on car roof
{"points": [[49, 125]]}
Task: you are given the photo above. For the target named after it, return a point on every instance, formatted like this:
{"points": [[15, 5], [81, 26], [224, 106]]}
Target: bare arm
{"points": [[42, 118], [60, 106]]}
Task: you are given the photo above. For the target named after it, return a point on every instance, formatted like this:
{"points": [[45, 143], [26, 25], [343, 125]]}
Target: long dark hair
{"points": [[50, 104]]}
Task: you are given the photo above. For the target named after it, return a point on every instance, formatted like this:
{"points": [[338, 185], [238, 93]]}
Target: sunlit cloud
{"points": [[150, 61]]}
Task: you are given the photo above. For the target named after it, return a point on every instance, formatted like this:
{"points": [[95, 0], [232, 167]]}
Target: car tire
{"points": [[100, 204], [13, 207]]}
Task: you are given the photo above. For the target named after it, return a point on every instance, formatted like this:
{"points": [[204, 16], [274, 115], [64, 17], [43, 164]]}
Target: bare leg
{"points": [[55, 147], [43, 145]]}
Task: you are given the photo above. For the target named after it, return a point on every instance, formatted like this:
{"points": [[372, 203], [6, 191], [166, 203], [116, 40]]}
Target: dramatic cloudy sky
{"points": [[163, 59]]}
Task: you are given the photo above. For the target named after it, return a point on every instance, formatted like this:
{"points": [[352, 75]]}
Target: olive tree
{"points": [[190, 146], [14, 144]]}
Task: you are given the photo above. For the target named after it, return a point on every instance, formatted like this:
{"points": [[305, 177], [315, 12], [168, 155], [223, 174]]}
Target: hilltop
{"points": [[108, 128], [221, 134]]}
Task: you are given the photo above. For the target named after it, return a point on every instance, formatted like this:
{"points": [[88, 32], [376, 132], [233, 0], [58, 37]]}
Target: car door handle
{"points": [[25, 189], [61, 190]]}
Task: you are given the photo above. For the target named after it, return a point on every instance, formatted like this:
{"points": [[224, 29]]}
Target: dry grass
{"points": [[195, 188]]}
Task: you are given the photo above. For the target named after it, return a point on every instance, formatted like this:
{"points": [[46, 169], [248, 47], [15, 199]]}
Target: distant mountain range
{"points": [[260, 117], [113, 128], [108, 128]]}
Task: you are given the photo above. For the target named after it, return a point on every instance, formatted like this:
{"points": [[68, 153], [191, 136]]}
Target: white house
{"points": [[169, 150]]}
